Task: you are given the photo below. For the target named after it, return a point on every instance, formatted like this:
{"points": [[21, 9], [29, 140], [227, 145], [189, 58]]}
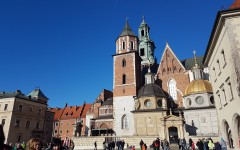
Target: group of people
{"points": [[111, 145], [164, 144], [37, 144], [202, 144], [208, 144]]}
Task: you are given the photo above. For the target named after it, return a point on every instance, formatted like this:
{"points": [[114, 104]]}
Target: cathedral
{"points": [[169, 100]]}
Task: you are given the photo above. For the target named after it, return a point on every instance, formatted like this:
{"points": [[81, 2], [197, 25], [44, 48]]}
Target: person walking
{"points": [[95, 145], [184, 143], [141, 144], [165, 145], [211, 145], [223, 144], [190, 142], [200, 144]]}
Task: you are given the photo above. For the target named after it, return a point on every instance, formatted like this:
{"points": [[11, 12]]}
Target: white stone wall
{"points": [[227, 38], [83, 143], [205, 121], [123, 106]]}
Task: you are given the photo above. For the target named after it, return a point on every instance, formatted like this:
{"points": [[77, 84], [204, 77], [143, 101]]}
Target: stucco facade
{"points": [[222, 57], [21, 116]]}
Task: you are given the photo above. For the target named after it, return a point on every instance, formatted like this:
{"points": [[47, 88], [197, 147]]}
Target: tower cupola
{"points": [[149, 77], [127, 41]]}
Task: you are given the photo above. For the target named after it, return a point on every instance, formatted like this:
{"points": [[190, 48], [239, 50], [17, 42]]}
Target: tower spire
{"points": [[195, 59], [196, 69]]}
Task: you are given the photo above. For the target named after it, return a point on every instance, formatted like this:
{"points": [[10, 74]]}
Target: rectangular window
{"points": [[223, 95], [56, 123], [5, 106], [220, 101], [219, 68], [55, 131], [142, 53], [224, 59], [30, 108], [214, 74], [229, 89], [28, 124], [3, 122], [39, 110], [20, 107], [17, 123], [37, 125]]}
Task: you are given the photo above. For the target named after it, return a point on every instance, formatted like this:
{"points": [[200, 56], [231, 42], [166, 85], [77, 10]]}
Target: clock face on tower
{"points": [[199, 100]]}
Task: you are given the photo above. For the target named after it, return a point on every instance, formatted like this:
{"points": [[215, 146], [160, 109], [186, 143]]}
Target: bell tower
{"points": [[146, 45], [127, 64], [126, 81]]}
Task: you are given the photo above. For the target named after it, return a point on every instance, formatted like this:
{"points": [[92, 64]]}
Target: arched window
{"points": [[132, 46], [163, 72], [123, 79], [172, 89], [123, 63], [142, 33], [123, 45], [124, 122]]}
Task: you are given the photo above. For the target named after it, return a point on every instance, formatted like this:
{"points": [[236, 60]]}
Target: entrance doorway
{"points": [[173, 135]]}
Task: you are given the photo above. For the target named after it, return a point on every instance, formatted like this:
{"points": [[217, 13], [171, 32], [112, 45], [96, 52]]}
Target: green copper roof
{"points": [[37, 93], [143, 22], [127, 30], [189, 63]]}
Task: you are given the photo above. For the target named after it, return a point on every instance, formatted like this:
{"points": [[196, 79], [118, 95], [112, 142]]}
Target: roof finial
{"points": [[195, 59], [127, 19]]}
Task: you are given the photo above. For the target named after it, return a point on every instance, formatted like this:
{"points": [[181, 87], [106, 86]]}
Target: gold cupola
{"points": [[198, 86]]}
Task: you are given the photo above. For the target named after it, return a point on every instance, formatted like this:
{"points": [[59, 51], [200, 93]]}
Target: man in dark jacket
{"points": [[200, 144]]}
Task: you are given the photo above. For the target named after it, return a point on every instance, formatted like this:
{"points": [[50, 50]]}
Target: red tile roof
{"points": [[57, 112], [85, 110], [235, 5], [70, 112]]}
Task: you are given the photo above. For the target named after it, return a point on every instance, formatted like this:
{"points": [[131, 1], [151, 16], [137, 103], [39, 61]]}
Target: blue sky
{"points": [[65, 47]]}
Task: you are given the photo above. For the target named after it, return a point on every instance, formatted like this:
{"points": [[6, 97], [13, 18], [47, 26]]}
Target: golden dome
{"points": [[198, 86]]}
